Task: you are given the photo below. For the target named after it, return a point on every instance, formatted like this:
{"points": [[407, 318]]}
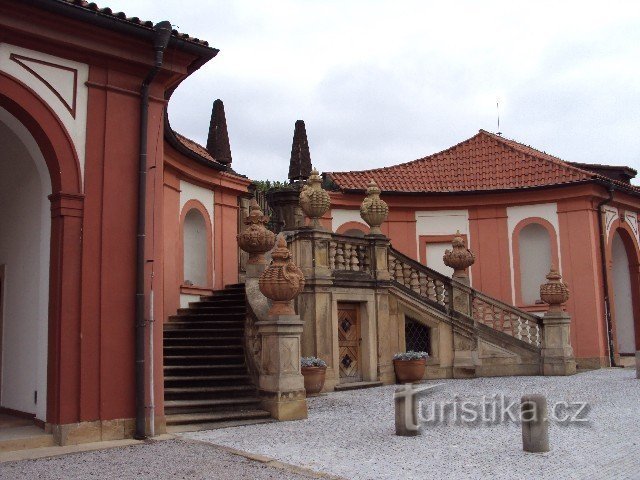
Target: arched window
{"points": [[195, 249], [535, 259]]}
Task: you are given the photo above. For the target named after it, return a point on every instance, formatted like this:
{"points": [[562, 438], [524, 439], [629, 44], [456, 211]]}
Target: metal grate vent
{"points": [[417, 336]]}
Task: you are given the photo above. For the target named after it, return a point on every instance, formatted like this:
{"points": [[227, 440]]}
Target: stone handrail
{"points": [[441, 289], [506, 318]]}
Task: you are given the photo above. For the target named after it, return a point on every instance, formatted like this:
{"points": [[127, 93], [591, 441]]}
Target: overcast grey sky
{"points": [[381, 82]]}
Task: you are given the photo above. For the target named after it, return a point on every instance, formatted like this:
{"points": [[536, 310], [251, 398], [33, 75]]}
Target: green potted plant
{"points": [[313, 371], [409, 366]]}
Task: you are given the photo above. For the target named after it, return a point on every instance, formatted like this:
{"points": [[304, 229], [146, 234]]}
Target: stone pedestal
{"points": [[557, 353], [281, 383], [380, 256], [286, 206]]}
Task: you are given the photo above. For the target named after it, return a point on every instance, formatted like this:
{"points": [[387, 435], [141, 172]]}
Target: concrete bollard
{"points": [[406, 406], [638, 364], [535, 423]]}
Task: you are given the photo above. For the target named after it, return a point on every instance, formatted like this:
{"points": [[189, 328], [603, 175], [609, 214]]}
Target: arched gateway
{"points": [[40, 247]]}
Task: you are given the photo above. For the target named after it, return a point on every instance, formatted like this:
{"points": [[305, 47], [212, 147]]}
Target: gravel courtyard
{"points": [[170, 459], [351, 434]]}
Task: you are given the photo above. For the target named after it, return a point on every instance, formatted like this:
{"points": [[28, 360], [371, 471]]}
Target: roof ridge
{"points": [[522, 148]]}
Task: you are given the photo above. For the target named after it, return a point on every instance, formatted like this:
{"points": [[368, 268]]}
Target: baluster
{"points": [[440, 292], [406, 275], [355, 265], [518, 334], [399, 273], [347, 256], [365, 261], [431, 290], [339, 257], [332, 255], [414, 283], [423, 284]]}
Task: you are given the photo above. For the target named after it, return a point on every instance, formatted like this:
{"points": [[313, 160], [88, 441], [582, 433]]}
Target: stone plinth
{"points": [[557, 353], [281, 383]]}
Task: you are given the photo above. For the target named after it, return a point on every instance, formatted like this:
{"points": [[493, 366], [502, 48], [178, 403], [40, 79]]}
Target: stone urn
{"points": [[459, 258], [374, 210], [314, 200], [281, 281], [555, 292], [256, 240]]}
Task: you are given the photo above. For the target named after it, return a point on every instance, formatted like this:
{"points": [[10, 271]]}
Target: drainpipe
{"points": [[605, 280], [162, 33]]}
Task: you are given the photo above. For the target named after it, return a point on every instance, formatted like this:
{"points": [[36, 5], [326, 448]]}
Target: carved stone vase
{"points": [[374, 210], [460, 258], [282, 281], [256, 240], [314, 200], [555, 292]]}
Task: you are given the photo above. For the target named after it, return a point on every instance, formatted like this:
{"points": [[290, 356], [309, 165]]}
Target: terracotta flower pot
{"points": [[313, 379], [409, 371]]}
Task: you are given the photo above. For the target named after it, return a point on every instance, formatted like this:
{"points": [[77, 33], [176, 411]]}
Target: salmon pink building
{"points": [[520, 211], [121, 310], [110, 220]]}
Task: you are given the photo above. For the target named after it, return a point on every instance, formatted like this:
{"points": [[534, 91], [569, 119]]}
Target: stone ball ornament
{"points": [[314, 200], [554, 292], [460, 258], [256, 239], [282, 281], [374, 210]]}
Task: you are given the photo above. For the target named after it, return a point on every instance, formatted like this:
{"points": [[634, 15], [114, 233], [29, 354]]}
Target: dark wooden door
{"points": [[349, 343]]}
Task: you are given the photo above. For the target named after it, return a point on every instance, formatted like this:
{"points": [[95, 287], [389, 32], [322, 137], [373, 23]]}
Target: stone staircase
{"points": [[206, 379]]}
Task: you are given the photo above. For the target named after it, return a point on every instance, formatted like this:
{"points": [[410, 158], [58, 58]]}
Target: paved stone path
{"points": [[351, 434]]}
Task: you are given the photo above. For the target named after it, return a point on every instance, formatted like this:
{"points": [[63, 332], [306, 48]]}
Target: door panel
{"points": [[349, 343]]}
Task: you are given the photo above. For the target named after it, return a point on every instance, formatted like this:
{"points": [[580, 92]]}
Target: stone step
{"points": [[196, 427], [203, 340], [191, 418], [356, 386], [205, 368], [211, 402], [207, 378], [204, 322], [211, 331], [203, 359], [209, 392]]}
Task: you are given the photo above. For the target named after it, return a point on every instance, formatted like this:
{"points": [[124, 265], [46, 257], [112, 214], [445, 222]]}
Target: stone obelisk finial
{"points": [[300, 163], [218, 139]]}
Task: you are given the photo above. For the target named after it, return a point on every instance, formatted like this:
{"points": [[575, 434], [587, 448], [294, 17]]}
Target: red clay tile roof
{"points": [[484, 162], [133, 20], [194, 147]]}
